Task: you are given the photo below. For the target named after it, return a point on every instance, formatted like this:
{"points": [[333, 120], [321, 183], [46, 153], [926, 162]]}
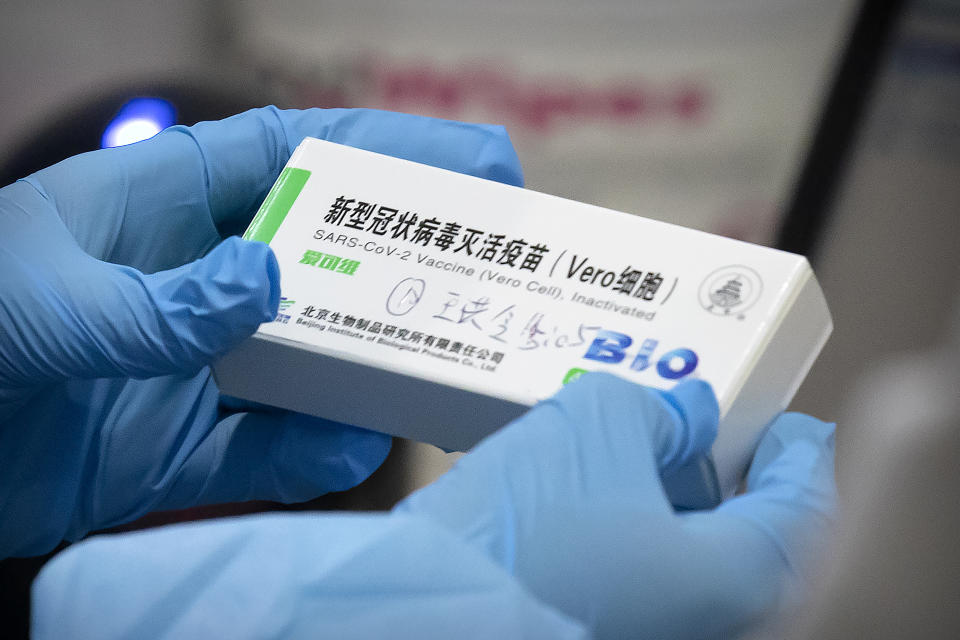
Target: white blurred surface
{"points": [[692, 112]]}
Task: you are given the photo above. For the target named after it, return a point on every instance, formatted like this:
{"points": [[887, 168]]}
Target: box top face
{"points": [[507, 291]]}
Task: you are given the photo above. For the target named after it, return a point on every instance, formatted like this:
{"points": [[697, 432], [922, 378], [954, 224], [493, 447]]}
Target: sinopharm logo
{"points": [[329, 262], [282, 316], [731, 291], [277, 204]]}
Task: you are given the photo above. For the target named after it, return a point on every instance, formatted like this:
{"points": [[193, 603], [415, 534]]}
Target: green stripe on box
{"points": [[277, 205]]}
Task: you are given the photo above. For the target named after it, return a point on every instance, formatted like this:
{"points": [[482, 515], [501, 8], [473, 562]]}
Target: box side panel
{"points": [[783, 365], [278, 373]]}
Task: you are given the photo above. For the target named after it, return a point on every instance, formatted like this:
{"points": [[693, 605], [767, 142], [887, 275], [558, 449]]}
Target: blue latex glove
{"points": [[556, 526], [570, 501], [116, 291]]}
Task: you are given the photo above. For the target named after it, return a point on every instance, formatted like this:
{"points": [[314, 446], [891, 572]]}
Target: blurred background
{"points": [[825, 127]]}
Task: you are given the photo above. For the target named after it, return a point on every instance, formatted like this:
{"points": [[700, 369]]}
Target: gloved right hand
{"points": [[569, 499], [117, 290]]}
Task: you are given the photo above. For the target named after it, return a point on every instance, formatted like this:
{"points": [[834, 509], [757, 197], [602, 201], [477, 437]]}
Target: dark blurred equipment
{"points": [[836, 133], [94, 121]]}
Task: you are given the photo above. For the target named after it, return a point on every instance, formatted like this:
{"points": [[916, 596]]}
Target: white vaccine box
{"points": [[437, 306]]}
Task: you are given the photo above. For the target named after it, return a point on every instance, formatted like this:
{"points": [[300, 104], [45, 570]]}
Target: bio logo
{"points": [[611, 347]]}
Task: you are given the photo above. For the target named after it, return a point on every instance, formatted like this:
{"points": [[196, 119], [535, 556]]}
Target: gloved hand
{"points": [[117, 290], [555, 526], [570, 501]]}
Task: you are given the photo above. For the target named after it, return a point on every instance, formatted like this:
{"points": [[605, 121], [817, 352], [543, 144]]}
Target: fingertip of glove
{"points": [[789, 427], [499, 160], [273, 279], [797, 447], [248, 270], [351, 454], [696, 404], [696, 397], [371, 447]]}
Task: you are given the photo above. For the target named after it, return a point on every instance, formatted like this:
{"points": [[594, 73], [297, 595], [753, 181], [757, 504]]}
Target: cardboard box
{"points": [[436, 306]]}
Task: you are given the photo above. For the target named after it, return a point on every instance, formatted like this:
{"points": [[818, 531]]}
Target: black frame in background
{"points": [[826, 163]]}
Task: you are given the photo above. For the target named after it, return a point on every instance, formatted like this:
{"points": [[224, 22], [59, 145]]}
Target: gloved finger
{"points": [[622, 436], [599, 437], [97, 320], [237, 185], [791, 486], [186, 180], [759, 547], [282, 456], [695, 418]]}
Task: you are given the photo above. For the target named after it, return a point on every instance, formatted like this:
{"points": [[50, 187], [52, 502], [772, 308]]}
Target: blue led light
{"points": [[139, 119]]}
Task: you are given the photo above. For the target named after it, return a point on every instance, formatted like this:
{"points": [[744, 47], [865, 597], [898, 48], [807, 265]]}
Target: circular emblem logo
{"points": [[730, 291]]}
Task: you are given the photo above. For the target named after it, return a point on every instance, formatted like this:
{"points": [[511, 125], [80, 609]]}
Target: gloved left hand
{"points": [[117, 291]]}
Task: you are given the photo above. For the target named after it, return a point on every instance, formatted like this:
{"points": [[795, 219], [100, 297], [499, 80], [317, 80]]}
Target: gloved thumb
{"points": [[791, 488], [102, 320]]}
